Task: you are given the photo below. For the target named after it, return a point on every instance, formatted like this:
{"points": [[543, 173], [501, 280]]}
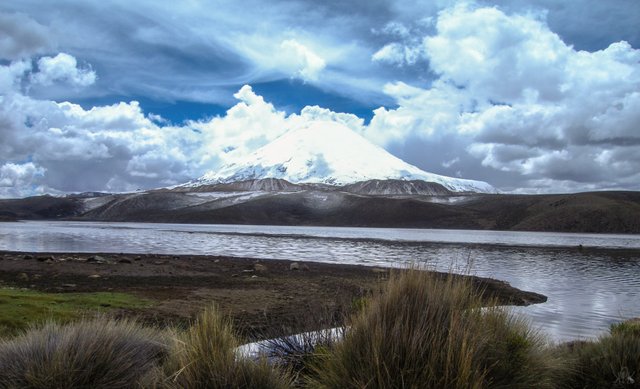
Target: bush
{"points": [[516, 356], [433, 333], [98, 353], [204, 356], [299, 353], [613, 361]]}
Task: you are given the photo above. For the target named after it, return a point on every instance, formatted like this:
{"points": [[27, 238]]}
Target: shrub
{"points": [[299, 353], [433, 333], [204, 356], [98, 353], [613, 361], [516, 356]]}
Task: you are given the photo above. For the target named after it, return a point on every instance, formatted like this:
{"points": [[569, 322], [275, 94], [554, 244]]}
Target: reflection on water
{"points": [[588, 289]]}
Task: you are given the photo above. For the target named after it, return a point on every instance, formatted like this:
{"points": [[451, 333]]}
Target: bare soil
{"points": [[264, 297]]}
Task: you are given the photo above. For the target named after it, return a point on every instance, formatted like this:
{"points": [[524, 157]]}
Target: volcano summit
{"points": [[331, 154]]}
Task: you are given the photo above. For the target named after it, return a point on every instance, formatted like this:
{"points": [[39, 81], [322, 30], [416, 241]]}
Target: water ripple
{"points": [[589, 285]]}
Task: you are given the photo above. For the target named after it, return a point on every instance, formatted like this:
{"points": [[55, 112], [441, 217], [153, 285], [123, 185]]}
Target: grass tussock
{"points": [[204, 356], [424, 332], [612, 361], [421, 331], [97, 353]]}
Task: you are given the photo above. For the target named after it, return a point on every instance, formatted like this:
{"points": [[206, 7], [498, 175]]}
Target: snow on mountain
{"points": [[328, 153]]}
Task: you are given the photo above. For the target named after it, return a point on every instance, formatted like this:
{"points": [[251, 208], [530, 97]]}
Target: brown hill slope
{"points": [[603, 212]]}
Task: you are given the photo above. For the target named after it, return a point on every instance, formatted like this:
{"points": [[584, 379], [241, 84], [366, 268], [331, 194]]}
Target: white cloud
{"points": [[510, 97], [11, 75], [305, 63], [523, 100], [63, 67], [249, 124], [20, 179], [397, 54], [316, 113], [119, 148]]}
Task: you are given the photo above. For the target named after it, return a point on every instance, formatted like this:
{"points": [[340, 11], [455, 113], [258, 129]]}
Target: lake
{"points": [[591, 280]]}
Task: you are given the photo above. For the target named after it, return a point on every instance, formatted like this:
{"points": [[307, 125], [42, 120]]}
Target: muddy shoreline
{"points": [[264, 297]]}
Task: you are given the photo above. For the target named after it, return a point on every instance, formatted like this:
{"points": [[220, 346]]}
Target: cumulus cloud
{"points": [[12, 74], [63, 67], [524, 101], [18, 180], [75, 149], [120, 148], [483, 92], [306, 63]]}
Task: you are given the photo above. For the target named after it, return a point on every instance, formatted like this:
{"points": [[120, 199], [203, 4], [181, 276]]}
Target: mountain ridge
{"points": [[597, 212]]}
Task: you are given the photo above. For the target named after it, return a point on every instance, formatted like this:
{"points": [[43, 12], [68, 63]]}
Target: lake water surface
{"points": [[591, 280]]}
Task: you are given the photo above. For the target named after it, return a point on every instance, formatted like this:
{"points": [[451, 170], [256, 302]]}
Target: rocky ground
{"points": [[264, 297]]}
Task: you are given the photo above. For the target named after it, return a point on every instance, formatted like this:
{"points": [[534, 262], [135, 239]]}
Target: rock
{"points": [[259, 268], [298, 266], [96, 259], [94, 276], [23, 277], [28, 256], [124, 260], [254, 276], [248, 271], [45, 258], [69, 285]]}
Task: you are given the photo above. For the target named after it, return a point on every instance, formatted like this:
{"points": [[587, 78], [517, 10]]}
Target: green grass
{"points": [[20, 308]]}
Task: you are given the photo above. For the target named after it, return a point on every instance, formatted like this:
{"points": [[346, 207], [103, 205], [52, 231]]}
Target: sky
{"points": [[530, 96]]}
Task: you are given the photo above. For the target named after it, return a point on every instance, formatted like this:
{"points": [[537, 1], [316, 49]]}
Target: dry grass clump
{"points": [[613, 361], [425, 332], [97, 353], [421, 331], [204, 356]]}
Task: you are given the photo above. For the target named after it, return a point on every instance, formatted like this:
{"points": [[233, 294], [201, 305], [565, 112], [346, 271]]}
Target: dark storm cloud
{"points": [[21, 36]]}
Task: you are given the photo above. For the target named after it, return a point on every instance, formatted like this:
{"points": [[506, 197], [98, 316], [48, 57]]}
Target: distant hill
{"points": [[368, 204]]}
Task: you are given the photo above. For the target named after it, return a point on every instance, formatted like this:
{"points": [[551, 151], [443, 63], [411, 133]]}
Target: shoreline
{"points": [[263, 297]]}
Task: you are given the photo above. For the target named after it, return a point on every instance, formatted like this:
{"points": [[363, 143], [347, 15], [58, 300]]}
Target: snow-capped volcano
{"points": [[329, 153]]}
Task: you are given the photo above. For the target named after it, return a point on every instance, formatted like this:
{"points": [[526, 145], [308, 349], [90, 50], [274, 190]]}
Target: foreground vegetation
{"points": [[21, 307], [420, 332]]}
